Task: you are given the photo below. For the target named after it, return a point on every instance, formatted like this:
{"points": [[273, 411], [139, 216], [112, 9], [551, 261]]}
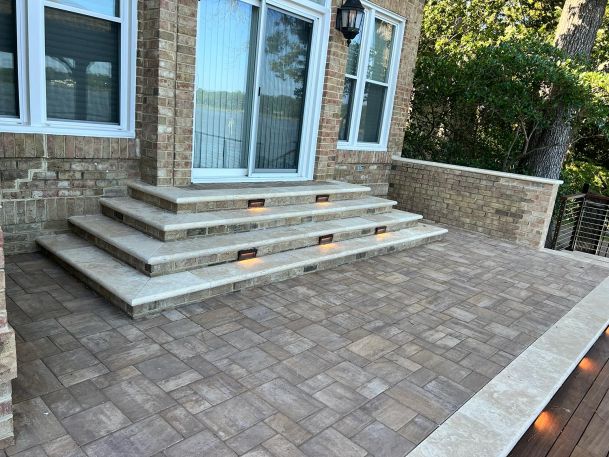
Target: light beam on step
{"points": [[328, 247], [544, 421], [586, 364]]}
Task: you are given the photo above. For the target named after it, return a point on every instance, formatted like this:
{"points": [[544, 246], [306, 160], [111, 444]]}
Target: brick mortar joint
{"points": [[31, 171]]}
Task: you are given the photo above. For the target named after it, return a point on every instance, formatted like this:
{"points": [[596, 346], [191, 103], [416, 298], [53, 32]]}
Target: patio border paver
{"points": [[494, 419]]}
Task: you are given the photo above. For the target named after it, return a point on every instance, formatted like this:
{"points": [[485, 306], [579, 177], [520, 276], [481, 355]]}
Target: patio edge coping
{"points": [[500, 174], [492, 422]]}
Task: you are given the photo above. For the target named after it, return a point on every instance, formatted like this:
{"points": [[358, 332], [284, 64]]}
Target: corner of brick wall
{"points": [[8, 362], [370, 168], [503, 207]]}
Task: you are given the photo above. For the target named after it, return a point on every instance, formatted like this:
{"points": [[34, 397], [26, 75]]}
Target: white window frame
{"points": [[320, 15], [374, 12], [32, 76]]}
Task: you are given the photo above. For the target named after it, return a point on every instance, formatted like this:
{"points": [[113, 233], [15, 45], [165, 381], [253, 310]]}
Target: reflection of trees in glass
{"points": [[287, 49], [380, 51], [353, 56]]}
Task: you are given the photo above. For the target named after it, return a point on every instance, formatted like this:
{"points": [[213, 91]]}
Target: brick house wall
{"points": [[8, 362], [366, 167], [44, 179], [507, 206]]}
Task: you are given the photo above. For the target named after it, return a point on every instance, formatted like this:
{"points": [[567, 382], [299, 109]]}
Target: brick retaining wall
{"points": [[503, 205]]}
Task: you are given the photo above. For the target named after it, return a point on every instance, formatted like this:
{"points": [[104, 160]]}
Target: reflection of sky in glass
{"points": [[100, 68], [108, 7], [224, 46]]}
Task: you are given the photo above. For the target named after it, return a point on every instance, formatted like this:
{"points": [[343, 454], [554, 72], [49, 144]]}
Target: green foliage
{"points": [[576, 174], [483, 80]]}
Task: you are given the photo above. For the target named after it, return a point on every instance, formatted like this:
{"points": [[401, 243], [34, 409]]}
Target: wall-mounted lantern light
{"points": [[349, 19]]}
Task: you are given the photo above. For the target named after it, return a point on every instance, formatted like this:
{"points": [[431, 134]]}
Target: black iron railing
{"points": [[583, 224]]}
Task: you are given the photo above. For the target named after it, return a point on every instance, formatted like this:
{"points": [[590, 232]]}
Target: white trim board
{"points": [[492, 422], [478, 170]]}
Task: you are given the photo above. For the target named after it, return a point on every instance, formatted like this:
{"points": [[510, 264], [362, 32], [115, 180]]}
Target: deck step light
{"points": [[322, 199], [257, 203], [326, 239], [247, 254], [380, 230]]}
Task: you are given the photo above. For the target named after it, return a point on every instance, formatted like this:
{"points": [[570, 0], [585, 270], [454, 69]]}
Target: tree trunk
{"points": [[575, 35]]}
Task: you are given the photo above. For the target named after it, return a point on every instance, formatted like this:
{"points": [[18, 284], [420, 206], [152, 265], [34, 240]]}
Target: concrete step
{"points": [[153, 257], [139, 295], [168, 226], [212, 197]]}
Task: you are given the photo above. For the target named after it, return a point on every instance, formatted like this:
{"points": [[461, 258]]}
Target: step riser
{"points": [[237, 203], [263, 279], [237, 228], [264, 248]]}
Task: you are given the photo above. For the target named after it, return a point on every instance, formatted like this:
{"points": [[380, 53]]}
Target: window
{"points": [[370, 81], [77, 73]]}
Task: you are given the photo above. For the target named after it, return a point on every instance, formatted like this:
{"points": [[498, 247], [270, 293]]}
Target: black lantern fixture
{"points": [[349, 18]]}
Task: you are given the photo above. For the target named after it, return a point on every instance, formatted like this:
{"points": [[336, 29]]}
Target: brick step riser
{"points": [[265, 248], [265, 279], [175, 235], [237, 203]]}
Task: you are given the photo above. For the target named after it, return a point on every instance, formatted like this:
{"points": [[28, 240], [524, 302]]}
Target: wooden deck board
{"points": [[576, 421]]}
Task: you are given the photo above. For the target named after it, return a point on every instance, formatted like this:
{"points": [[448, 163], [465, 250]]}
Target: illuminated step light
{"points": [[544, 421], [247, 254], [586, 364], [257, 203], [326, 239], [380, 230], [322, 199]]}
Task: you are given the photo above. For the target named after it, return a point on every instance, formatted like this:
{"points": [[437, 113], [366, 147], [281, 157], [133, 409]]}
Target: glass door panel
{"points": [[284, 68], [224, 84]]}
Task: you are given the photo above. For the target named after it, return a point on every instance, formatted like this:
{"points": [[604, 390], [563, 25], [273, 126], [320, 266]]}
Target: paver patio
{"points": [[365, 359]]}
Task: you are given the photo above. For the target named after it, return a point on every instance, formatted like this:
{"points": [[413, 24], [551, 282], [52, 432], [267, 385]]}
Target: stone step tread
{"points": [[137, 289], [184, 195], [167, 221], [153, 251]]}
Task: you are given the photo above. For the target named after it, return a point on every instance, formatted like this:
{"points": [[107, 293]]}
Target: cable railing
{"points": [[583, 224]]}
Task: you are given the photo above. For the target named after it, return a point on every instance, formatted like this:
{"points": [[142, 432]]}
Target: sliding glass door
{"points": [[224, 84], [252, 74]]}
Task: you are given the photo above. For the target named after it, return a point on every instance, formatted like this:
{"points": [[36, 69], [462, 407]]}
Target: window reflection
{"points": [[283, 81], [9, 103], [380, 51], [372, 113], [226, 51], [82, 67]]}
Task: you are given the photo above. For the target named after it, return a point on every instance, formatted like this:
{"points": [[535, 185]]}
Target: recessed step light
{"points": [[380, 230], [322, 199], [247, 254], [256, 203], [326, 239]]}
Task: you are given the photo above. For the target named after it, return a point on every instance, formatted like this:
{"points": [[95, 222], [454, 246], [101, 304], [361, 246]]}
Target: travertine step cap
{"points": [[137, 290], [154, 252], [192, 194], [166, 221]]}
